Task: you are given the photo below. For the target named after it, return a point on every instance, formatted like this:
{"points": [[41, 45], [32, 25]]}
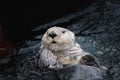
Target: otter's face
{"points": [[57, 38]]}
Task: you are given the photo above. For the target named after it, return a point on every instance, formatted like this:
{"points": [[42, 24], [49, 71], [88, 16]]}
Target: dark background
{"points": [[17, 22]]}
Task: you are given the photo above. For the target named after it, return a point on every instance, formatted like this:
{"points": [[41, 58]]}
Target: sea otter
{"points": [[59, 49], [60, 58]]}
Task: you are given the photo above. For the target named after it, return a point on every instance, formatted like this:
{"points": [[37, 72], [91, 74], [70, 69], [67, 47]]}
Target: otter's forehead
{"points": [[57, 29]]}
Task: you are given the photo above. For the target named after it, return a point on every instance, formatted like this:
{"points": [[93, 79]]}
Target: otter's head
{"points": [[58, 39]]}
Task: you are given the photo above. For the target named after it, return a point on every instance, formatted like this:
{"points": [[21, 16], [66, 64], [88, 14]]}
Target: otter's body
{"points": [[59, 49]]}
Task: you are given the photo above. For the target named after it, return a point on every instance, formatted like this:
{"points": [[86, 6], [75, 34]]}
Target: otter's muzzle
{"points": [[52, 34]]}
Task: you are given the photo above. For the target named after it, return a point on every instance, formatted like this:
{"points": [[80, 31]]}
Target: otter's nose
{"points": [[52, 34]]}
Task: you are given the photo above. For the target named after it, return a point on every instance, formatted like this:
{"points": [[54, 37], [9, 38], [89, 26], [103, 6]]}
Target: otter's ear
{"points": [[90, 60]]}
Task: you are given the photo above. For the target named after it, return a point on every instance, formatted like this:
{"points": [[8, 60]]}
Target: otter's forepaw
{"points": [[90, 60]]}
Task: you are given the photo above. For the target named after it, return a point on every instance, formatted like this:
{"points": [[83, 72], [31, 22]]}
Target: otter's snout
{"points": [[52, 34]]}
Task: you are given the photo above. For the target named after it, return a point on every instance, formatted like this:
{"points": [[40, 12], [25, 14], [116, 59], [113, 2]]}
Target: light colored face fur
{"points": [[63, 40]]}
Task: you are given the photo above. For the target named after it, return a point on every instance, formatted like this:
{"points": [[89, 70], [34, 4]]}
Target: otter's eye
{"points": [[63, 31]]}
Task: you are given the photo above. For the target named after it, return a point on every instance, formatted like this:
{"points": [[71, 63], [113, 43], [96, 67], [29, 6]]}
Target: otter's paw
{"points": [[90, 60]]}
